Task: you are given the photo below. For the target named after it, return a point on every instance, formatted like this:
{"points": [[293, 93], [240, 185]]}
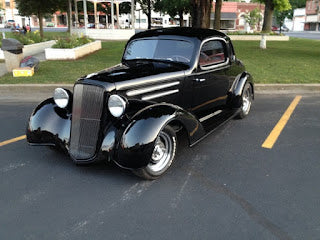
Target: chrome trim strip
{"points": [[150, 89], [215, 66], [148, 80], [149, 97], [212, 66], [210, 116]]}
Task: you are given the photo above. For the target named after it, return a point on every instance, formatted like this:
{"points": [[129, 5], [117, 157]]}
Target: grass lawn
{"points": [[296, 61], [69, 71], [48, 35]]}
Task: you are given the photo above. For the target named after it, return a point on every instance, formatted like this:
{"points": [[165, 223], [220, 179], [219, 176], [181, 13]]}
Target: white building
{"points": [[157, 19], [299, 18]]}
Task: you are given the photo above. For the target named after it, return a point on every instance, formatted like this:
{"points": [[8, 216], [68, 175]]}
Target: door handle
{"points": [[199, 79]]}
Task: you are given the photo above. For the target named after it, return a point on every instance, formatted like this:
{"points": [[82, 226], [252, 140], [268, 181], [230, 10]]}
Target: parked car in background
{"points": [[92, 25], [284, 29], [274, 28], [170, 81], [9, 24], [50, 24]]}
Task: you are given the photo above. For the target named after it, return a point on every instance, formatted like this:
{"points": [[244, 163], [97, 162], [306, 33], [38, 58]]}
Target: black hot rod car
{"points": [[169, 80]]}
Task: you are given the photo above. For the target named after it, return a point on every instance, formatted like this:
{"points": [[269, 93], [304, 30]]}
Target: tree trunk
{"points": [[181, 19], [206, 6], [201, 10], [268, 13], [69, 14], [40, 23], [76, 14], [217, 15], [149, 14], [195, 13]]}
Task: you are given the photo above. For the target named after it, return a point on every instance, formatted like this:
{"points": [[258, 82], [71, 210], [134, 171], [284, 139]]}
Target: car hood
{"points": [[133, 73]]}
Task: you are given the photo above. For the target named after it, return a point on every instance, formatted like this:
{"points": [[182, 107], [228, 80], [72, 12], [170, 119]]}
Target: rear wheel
{"points": [[247, 98], [164, 152]]}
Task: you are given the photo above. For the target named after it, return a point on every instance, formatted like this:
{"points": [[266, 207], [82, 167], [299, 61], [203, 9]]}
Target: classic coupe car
{"points": [[169, 80]]}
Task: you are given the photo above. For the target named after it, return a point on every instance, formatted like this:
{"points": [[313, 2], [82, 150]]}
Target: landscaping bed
{"points": [[72, 53], [32, 49], [32, 41]]}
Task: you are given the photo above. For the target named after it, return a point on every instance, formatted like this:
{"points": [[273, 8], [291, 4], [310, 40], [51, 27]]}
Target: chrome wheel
{"points": [[246, 101], [162, 152], [246, 98]]}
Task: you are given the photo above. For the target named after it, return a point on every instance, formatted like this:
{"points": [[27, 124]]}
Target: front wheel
{"points": [[164, 152], [246, 98]]}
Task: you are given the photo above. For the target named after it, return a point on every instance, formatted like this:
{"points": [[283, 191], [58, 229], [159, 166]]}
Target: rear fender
{"points": [[237, 89], [135, 146]]}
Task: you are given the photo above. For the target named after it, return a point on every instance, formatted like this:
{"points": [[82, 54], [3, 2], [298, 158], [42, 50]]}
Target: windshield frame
{"points": [[191, 40]]}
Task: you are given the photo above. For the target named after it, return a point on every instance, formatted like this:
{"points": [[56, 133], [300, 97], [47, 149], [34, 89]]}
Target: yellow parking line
{"points": [[273, 136], [12, 140]]}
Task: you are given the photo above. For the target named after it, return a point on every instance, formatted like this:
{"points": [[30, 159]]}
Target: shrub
{"points": [[28, 38], [71, 42]]}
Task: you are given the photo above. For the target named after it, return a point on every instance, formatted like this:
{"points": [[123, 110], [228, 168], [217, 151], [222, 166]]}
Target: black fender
{"points": [[235, 100], [135, 146], [49, 125]]}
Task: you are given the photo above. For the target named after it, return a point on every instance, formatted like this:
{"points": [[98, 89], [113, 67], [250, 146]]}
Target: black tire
{"points": [[246, 101], [163, 155]]}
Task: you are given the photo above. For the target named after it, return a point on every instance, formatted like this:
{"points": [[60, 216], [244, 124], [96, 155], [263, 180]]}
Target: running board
{"points": [[213, 121]]}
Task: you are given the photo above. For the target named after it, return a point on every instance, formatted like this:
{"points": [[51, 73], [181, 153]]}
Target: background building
{"points": [[233, 15], [9, 13], [299, 18], [312, 15]]}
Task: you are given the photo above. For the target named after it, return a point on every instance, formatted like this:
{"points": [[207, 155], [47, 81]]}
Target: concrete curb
{"points": [[287, 88], [38, 92]]}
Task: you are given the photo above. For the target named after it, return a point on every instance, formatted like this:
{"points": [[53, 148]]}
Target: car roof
{"points": [[200, 33]]}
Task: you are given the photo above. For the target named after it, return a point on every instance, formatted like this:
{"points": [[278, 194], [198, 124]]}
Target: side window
{"points": [[212, 53]]}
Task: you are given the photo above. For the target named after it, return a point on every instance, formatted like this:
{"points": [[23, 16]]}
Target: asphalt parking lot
{"points": [[226, 187]]}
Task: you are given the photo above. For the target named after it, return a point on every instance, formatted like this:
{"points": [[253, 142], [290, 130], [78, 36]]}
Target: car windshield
{"points": [[160, 49]]}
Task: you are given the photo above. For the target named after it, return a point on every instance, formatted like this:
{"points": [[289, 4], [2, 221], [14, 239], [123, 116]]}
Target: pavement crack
{"points": [[11, 167], [177, 199], [246, 206]]}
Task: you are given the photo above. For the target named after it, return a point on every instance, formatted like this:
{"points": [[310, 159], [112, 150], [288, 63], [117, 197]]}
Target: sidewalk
{"points": [[3, 70]]}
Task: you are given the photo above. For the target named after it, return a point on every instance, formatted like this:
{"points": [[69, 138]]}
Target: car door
{"points": [[210, 83]]}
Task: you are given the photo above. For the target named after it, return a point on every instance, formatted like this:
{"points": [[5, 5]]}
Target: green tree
{"points": [[146, 6], [173, 8], [125, 8], [201, 10], [39, 8], [294, 5], [281, 15], [270, 6], [253, 17]]}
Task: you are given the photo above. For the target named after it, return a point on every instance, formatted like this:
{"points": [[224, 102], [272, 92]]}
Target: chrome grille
{"points": [[86, 117]]}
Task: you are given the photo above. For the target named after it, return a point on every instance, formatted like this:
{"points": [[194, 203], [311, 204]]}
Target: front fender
{"points": [[49, 125], [136, 144]]}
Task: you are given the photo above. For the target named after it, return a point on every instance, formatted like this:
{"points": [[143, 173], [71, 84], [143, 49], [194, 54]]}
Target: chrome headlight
{"points": [[61, 97], [116, 105]]}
